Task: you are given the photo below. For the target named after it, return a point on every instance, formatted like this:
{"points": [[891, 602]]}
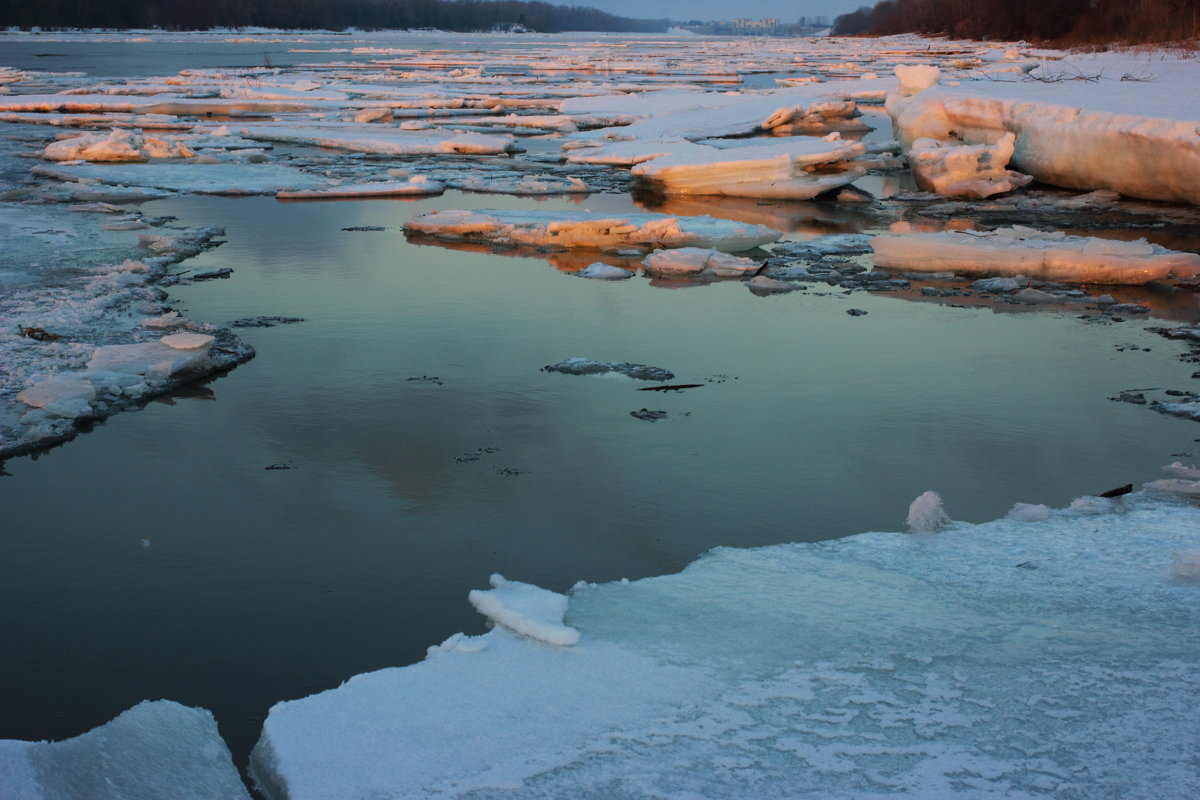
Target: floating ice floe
{"points": [[1047, 256], [970, 665], [416, 186], [368, 138], [117, 145], [154, 750], [521, 185], [698, 262], [604, 272], [587, 230], [798, 168], [1074, 126], [223, 179], [972, 171]]}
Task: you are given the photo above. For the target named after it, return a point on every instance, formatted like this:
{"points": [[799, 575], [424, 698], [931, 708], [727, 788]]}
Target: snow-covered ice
{"points": [[1049, 656], [1018, 250], [698, 262], [525, 609], [155, 750], [589, 230]]}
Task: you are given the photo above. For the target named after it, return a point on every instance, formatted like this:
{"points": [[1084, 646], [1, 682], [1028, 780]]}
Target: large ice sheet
{"points": [[588, 230], [368, 138], [1037, 254], [1046, 656], [225, 179], [1112, 122], [155, 750]]}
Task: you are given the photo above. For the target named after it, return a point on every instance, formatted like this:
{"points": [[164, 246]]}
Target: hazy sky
{"points": [[785, 10]]}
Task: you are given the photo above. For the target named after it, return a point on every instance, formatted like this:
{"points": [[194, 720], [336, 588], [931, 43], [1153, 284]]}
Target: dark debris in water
{"points": [[264, 322], [509, 472], [648, 415], [675, 387], [856, 312], [432, 379], [371, 228], [280, 466]]}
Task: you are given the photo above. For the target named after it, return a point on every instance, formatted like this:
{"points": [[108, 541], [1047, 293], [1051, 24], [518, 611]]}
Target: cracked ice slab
{"points": [[1108, 121], [587, 230], [793, 168], [368, 138], [155, 750], [1035, 254], [883, 664]]}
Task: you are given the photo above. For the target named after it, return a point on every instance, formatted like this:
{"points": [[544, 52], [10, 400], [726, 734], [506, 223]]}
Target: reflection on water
{"points": [[260, 585], [810, 217]]}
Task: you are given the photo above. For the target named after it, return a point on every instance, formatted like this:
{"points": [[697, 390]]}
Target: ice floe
{"points": [[416, 186], [1025, 251], [1030, 657], [117, 145], [156, 749], [974, 171], [698, 262], [588, 230], [371, 139]]}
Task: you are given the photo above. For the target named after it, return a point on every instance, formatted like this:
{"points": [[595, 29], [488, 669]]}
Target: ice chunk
{"points": [[1037, 254], [797, 169], [231, 179], [155, 360], [118, 145], [67, 395], [915, 78], [1026, 512], [188, 341], [155, 750], [762, 284], [587, 230], [698, 262], [604, 272], [526, 609], [926, 514], [972, 171], [521, 185]]}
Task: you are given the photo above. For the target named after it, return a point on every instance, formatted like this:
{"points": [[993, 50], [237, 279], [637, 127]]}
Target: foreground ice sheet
{"points": [[155, 750], [1047, 656], [588, 230], [1035, 254]]}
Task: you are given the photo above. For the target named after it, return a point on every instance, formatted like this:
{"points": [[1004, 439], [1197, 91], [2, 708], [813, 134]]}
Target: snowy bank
{"points": [[1043, 655]]}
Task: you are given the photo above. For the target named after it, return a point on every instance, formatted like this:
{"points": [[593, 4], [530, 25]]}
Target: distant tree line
{"points": [[1133, 21], [451, 15]]}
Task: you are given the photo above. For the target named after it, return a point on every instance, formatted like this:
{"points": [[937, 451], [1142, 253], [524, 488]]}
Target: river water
{"points": [[157, 557]]}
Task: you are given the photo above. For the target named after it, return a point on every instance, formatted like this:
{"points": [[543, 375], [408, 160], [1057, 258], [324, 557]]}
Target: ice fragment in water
{"points": [[926, 515], [526, 609], [1027, 512]]}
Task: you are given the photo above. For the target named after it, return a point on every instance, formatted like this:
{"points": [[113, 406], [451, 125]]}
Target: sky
{"points": [[785, 10]]}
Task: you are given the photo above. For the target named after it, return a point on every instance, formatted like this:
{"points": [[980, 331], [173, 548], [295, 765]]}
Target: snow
{"points": [[588, 230], [525, 609], [155, 750], [926, 514], [1005, 659], [1018, 250]]}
